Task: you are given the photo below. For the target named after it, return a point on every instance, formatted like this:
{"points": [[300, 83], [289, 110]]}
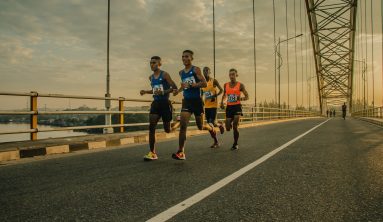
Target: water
{"points": [[26, 136]]}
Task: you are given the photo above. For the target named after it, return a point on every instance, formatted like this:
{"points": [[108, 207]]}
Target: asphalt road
{"points": [[334, 173]]}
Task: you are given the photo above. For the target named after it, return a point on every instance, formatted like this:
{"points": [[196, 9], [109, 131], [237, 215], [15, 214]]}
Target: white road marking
{"points": [[172, 211]]}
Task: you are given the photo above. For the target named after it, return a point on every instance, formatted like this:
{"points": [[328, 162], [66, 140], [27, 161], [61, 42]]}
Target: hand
{"points": [[194, 85], [222, 106], [142, 92]]}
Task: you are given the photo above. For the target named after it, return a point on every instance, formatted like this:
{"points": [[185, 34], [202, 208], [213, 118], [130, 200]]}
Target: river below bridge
{"points": [[25, 136]]}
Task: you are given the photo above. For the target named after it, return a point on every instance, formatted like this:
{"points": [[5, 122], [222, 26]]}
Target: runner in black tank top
{"points": [[162, 84], [233, 108], [192, 82]]}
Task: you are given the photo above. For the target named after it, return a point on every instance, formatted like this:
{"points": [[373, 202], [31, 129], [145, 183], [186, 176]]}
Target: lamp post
{"points": [[278, 52], [108, 117], [364, 68]]}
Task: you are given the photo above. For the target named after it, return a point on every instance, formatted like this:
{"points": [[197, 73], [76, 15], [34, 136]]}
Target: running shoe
{"points": [[179, 155], [215, 145], [151, 156], [235, 147]]}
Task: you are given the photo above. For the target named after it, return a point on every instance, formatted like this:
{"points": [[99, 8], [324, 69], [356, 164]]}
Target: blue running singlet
{"points": [[159, 84], [190, 78]]}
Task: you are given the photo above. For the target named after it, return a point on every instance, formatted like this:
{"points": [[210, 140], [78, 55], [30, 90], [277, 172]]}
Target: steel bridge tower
{"points": [[332, 25]]}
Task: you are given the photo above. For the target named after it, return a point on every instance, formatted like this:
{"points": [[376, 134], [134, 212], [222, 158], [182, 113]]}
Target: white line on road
{"points": [[171, 212]]}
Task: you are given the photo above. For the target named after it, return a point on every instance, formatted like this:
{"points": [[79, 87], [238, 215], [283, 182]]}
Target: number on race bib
{"points": [[157, 89], [208, 95], [189, 80], [231, 98]]}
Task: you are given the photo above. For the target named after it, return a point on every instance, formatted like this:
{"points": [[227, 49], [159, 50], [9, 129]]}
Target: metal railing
{"points": [[250, 113], [376, 112]]}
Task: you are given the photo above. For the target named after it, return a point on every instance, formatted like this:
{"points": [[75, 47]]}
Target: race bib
{"points": [[232, 98], [189, 80], [157, 89], [208, 95]]}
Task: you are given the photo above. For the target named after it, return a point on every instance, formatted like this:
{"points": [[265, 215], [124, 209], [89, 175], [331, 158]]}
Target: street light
{"points": [[278, 52], [108, 117]]}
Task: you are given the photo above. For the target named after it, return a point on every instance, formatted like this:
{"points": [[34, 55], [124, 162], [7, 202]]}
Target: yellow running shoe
{"points": [[151, 156]]}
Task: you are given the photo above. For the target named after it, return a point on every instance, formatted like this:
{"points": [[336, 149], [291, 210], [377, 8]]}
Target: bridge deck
{"points": [[333, 173]]}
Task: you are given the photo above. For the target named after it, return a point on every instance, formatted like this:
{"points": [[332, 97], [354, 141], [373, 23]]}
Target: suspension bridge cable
{"points": [[366, 48], [312, 93], [307, 39], [372, 56], [296, 60], [359, 73], [301, 55], [275, 58], [381, 36], [213, 39], [255, 59], [288, 68], [362, 53]]}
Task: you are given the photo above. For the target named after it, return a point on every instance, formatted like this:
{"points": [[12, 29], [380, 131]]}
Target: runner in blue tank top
{"points": [[162, 84], [192, 82]]}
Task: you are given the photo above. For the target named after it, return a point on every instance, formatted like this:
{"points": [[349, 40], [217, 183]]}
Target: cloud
{"points": [[13, 51], [60, 46]]}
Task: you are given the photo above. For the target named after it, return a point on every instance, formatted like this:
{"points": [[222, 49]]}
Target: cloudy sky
{"points": [[54, 46]]}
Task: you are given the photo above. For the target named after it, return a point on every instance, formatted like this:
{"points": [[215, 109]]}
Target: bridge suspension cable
{"points": [[275, 57], [372, 55], [287, 57], [296, 59]]}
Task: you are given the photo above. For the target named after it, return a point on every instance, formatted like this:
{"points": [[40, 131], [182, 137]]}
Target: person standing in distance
{"points": [[344, 110]]}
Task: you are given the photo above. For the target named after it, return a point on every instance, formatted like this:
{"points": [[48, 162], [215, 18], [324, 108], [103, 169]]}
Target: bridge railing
{"points": [[376, 112], [250, 113]]}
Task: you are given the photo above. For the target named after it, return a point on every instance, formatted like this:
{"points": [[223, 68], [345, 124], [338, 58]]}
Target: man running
{"points": [[232, 91], [192, 82], [211, 104], [162, 84], [344, 109]]}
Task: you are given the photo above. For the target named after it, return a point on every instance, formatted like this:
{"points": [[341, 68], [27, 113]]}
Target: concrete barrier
{"points": [[9, 155], [97, 145], [57, 149], [125, 141]]}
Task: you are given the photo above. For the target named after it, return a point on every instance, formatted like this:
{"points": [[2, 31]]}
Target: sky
{"points": [[53, 46]]}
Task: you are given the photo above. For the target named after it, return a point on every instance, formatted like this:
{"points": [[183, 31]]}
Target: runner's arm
{"points": [[178, 90], [143, 92], [168, 79], [202, 81], [216, 83], [223, 96], [243, 90]]}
